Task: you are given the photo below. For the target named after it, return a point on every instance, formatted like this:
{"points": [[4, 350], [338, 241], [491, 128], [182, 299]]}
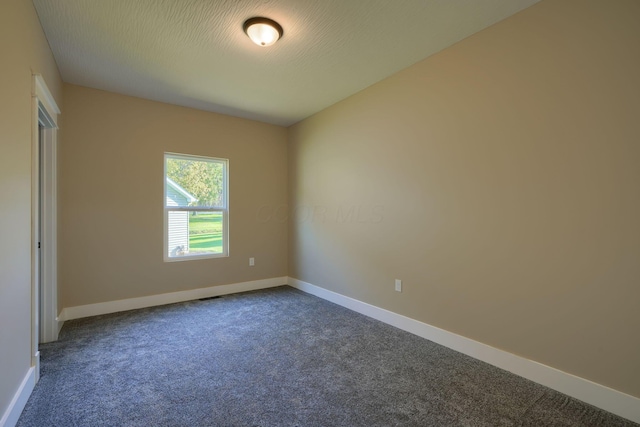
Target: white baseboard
{"points": [[35, 362], [11, 415], [80, 311], [60, 322], [587, 391]]}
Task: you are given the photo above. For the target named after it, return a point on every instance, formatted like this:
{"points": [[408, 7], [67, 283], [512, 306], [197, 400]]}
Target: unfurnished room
{"points": [[319, 213]]}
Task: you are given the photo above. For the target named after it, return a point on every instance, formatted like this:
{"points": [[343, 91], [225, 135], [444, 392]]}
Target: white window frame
{"points": [[224, 208]]}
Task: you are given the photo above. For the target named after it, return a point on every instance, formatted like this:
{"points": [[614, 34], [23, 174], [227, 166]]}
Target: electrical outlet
{"points": [[252, 261], [398, 285]]}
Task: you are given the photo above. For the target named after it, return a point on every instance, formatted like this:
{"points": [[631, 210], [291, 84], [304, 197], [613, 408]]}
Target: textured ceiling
{"points": [[194, 52]]}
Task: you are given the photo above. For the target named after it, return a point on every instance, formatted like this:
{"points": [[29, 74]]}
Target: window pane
{"points": [[198, 183], [194, 233]]}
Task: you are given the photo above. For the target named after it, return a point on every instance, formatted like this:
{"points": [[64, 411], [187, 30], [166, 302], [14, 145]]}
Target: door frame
{"points": [[44, 302]]}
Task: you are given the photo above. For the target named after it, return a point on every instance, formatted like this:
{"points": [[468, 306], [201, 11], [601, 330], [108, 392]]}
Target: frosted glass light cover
{"points": [[263, 34]]}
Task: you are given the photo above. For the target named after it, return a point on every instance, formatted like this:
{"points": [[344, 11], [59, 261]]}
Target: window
{"points": [[196, 211]]}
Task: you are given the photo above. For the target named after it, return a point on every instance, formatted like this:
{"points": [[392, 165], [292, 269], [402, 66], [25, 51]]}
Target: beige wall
{"points": [[111, 196], [23, 51], [499, 179]]}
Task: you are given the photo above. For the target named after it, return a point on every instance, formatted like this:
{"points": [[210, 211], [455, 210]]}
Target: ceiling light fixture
{"points": [[262, 31]]}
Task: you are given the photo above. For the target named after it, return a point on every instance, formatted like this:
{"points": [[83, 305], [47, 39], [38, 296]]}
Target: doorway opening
{"points": [[44, 306]]}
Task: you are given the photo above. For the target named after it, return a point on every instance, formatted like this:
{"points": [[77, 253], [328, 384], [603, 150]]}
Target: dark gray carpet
{"points": [[276, 357]]}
